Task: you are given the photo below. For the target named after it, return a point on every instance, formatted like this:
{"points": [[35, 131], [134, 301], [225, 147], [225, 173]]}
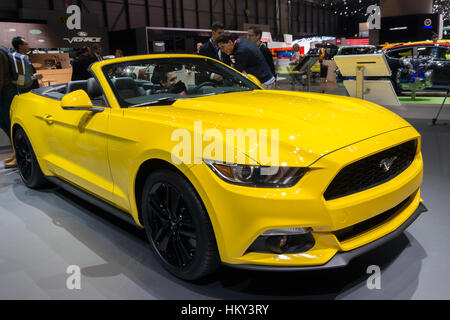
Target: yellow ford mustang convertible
{"points": [[220, 171]]}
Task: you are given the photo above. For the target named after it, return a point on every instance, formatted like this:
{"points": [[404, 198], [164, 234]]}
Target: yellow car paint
{"points": [[102, 153]]}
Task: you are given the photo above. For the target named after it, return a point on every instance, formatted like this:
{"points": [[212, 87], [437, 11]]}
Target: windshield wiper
{"points": [[160, 100], [221, 92], [232, 91]]}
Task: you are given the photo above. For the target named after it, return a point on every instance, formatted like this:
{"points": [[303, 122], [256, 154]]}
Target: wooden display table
{"points": [[55, 76]]}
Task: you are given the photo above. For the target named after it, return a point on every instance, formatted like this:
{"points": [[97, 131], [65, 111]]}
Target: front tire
{"points": [[28, 166], [178, 226]]}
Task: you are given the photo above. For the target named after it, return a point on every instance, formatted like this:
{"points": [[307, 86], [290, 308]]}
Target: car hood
{"points": [[309, 125]]}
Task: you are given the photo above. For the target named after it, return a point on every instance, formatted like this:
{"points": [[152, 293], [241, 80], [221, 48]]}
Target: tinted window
{"points": [[346, 51], [140, 82], [433, 52], [400, 53]]}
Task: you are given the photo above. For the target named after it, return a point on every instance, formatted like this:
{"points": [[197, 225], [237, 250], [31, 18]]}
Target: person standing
{"points": [[198, 46], [294, 60], [118, 53], [323, 67], [21, 46], [7, 93], [435, 38], [80, 66], [247, 58], [254, 35], [97, 52], [211, 49]]}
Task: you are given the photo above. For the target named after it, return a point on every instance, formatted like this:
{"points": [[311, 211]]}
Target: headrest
{"points": [[76, 85], [94, 89], [124, 83]]}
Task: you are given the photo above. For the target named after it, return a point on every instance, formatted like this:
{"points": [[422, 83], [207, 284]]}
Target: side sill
{"points": [[93, 200]]}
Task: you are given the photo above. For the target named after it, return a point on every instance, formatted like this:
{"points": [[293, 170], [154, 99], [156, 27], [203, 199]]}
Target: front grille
{"points": [[370, 172], [350, 232]]}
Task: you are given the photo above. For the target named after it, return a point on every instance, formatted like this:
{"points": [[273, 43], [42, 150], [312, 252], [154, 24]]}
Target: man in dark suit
{"points": [[97, 52], [210, 48], [254, 35], [247, 58], [81, 65]]}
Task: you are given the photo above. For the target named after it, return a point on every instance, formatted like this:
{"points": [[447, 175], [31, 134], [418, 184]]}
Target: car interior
{"points": [[90, 86]]}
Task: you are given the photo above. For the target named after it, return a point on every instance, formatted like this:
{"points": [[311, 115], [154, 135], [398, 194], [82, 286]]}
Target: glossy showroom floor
{"points": [[43, 232]]}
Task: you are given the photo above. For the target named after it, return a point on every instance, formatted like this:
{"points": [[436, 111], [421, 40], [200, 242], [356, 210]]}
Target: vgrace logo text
{"points": [[82, 37]]}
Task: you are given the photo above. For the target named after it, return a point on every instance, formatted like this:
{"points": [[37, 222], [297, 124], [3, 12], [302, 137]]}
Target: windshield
{"points": [[160, 81]]}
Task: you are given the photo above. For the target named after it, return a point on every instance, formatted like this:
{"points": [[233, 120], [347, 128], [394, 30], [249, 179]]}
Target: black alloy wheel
{"points": [[178, 227], [27, 164], [173, 231]]}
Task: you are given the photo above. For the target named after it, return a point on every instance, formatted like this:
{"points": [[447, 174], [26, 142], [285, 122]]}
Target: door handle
{"points": [[48, 118]]}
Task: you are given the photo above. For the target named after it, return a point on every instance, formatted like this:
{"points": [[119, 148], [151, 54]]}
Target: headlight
{"points": [[255, 176]]}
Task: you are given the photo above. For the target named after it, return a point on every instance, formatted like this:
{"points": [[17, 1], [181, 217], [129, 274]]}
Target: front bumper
{"points": [[341, 259], [239, 215]]}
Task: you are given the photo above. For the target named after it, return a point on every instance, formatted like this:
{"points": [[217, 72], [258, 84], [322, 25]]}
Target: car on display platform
{"points": [[358, 49], [342, 178], [435, 54]]}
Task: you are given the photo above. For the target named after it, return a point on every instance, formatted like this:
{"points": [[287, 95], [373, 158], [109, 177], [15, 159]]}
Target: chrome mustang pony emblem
{"points": [[387, 163]]}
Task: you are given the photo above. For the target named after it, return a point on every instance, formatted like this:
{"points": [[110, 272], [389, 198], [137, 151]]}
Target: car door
{"points": [[78, 144], [441, 67], [393, 57]]}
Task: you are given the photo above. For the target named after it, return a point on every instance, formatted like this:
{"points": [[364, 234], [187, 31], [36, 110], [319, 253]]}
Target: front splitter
{"points": [[341, 259]]}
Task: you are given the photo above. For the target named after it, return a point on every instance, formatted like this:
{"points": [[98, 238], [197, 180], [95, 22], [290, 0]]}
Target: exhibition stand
{"points": [[368, 65]]}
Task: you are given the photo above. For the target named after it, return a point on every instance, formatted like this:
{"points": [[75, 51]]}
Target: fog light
{"points": [[283, 241], [287, 231], [277, 244]]}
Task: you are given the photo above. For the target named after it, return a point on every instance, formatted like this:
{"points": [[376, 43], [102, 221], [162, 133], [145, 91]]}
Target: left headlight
{"points": [[255, 176]]}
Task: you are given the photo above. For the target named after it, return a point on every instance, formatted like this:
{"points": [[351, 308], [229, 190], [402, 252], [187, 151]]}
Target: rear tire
{"points": [[28, 166], [178, 226]]}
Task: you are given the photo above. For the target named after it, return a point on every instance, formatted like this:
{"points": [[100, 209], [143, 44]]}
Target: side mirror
{"points": [[254, 79], [79, 101]]}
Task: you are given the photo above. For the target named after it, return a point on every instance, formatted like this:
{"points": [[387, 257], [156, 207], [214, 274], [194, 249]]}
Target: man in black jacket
{"points": [[7, 93], [81, 65], [210, 48], [254, 35], [247, 58]]}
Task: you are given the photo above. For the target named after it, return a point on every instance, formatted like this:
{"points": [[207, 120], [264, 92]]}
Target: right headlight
{"points": [[257, 176]]}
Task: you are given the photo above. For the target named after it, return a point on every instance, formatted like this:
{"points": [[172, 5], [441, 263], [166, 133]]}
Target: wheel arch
{"points": [[14, 127], [154, 164], [145, 169], [151, 165]]}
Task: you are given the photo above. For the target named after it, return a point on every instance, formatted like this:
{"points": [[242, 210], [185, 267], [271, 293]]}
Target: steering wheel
{"points": [[207, 83]]}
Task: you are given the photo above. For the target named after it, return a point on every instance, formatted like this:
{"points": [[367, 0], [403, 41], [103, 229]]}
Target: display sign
{"points": [[51, 35], [409, 28], [377, 91], [375, 65]]}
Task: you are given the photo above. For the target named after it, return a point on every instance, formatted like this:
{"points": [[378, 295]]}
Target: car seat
{"points": [[127, 87]]}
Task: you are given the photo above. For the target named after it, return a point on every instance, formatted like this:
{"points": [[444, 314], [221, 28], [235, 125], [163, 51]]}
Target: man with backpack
{"points": [[18, 75], [21, 46], [7, 93]]}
